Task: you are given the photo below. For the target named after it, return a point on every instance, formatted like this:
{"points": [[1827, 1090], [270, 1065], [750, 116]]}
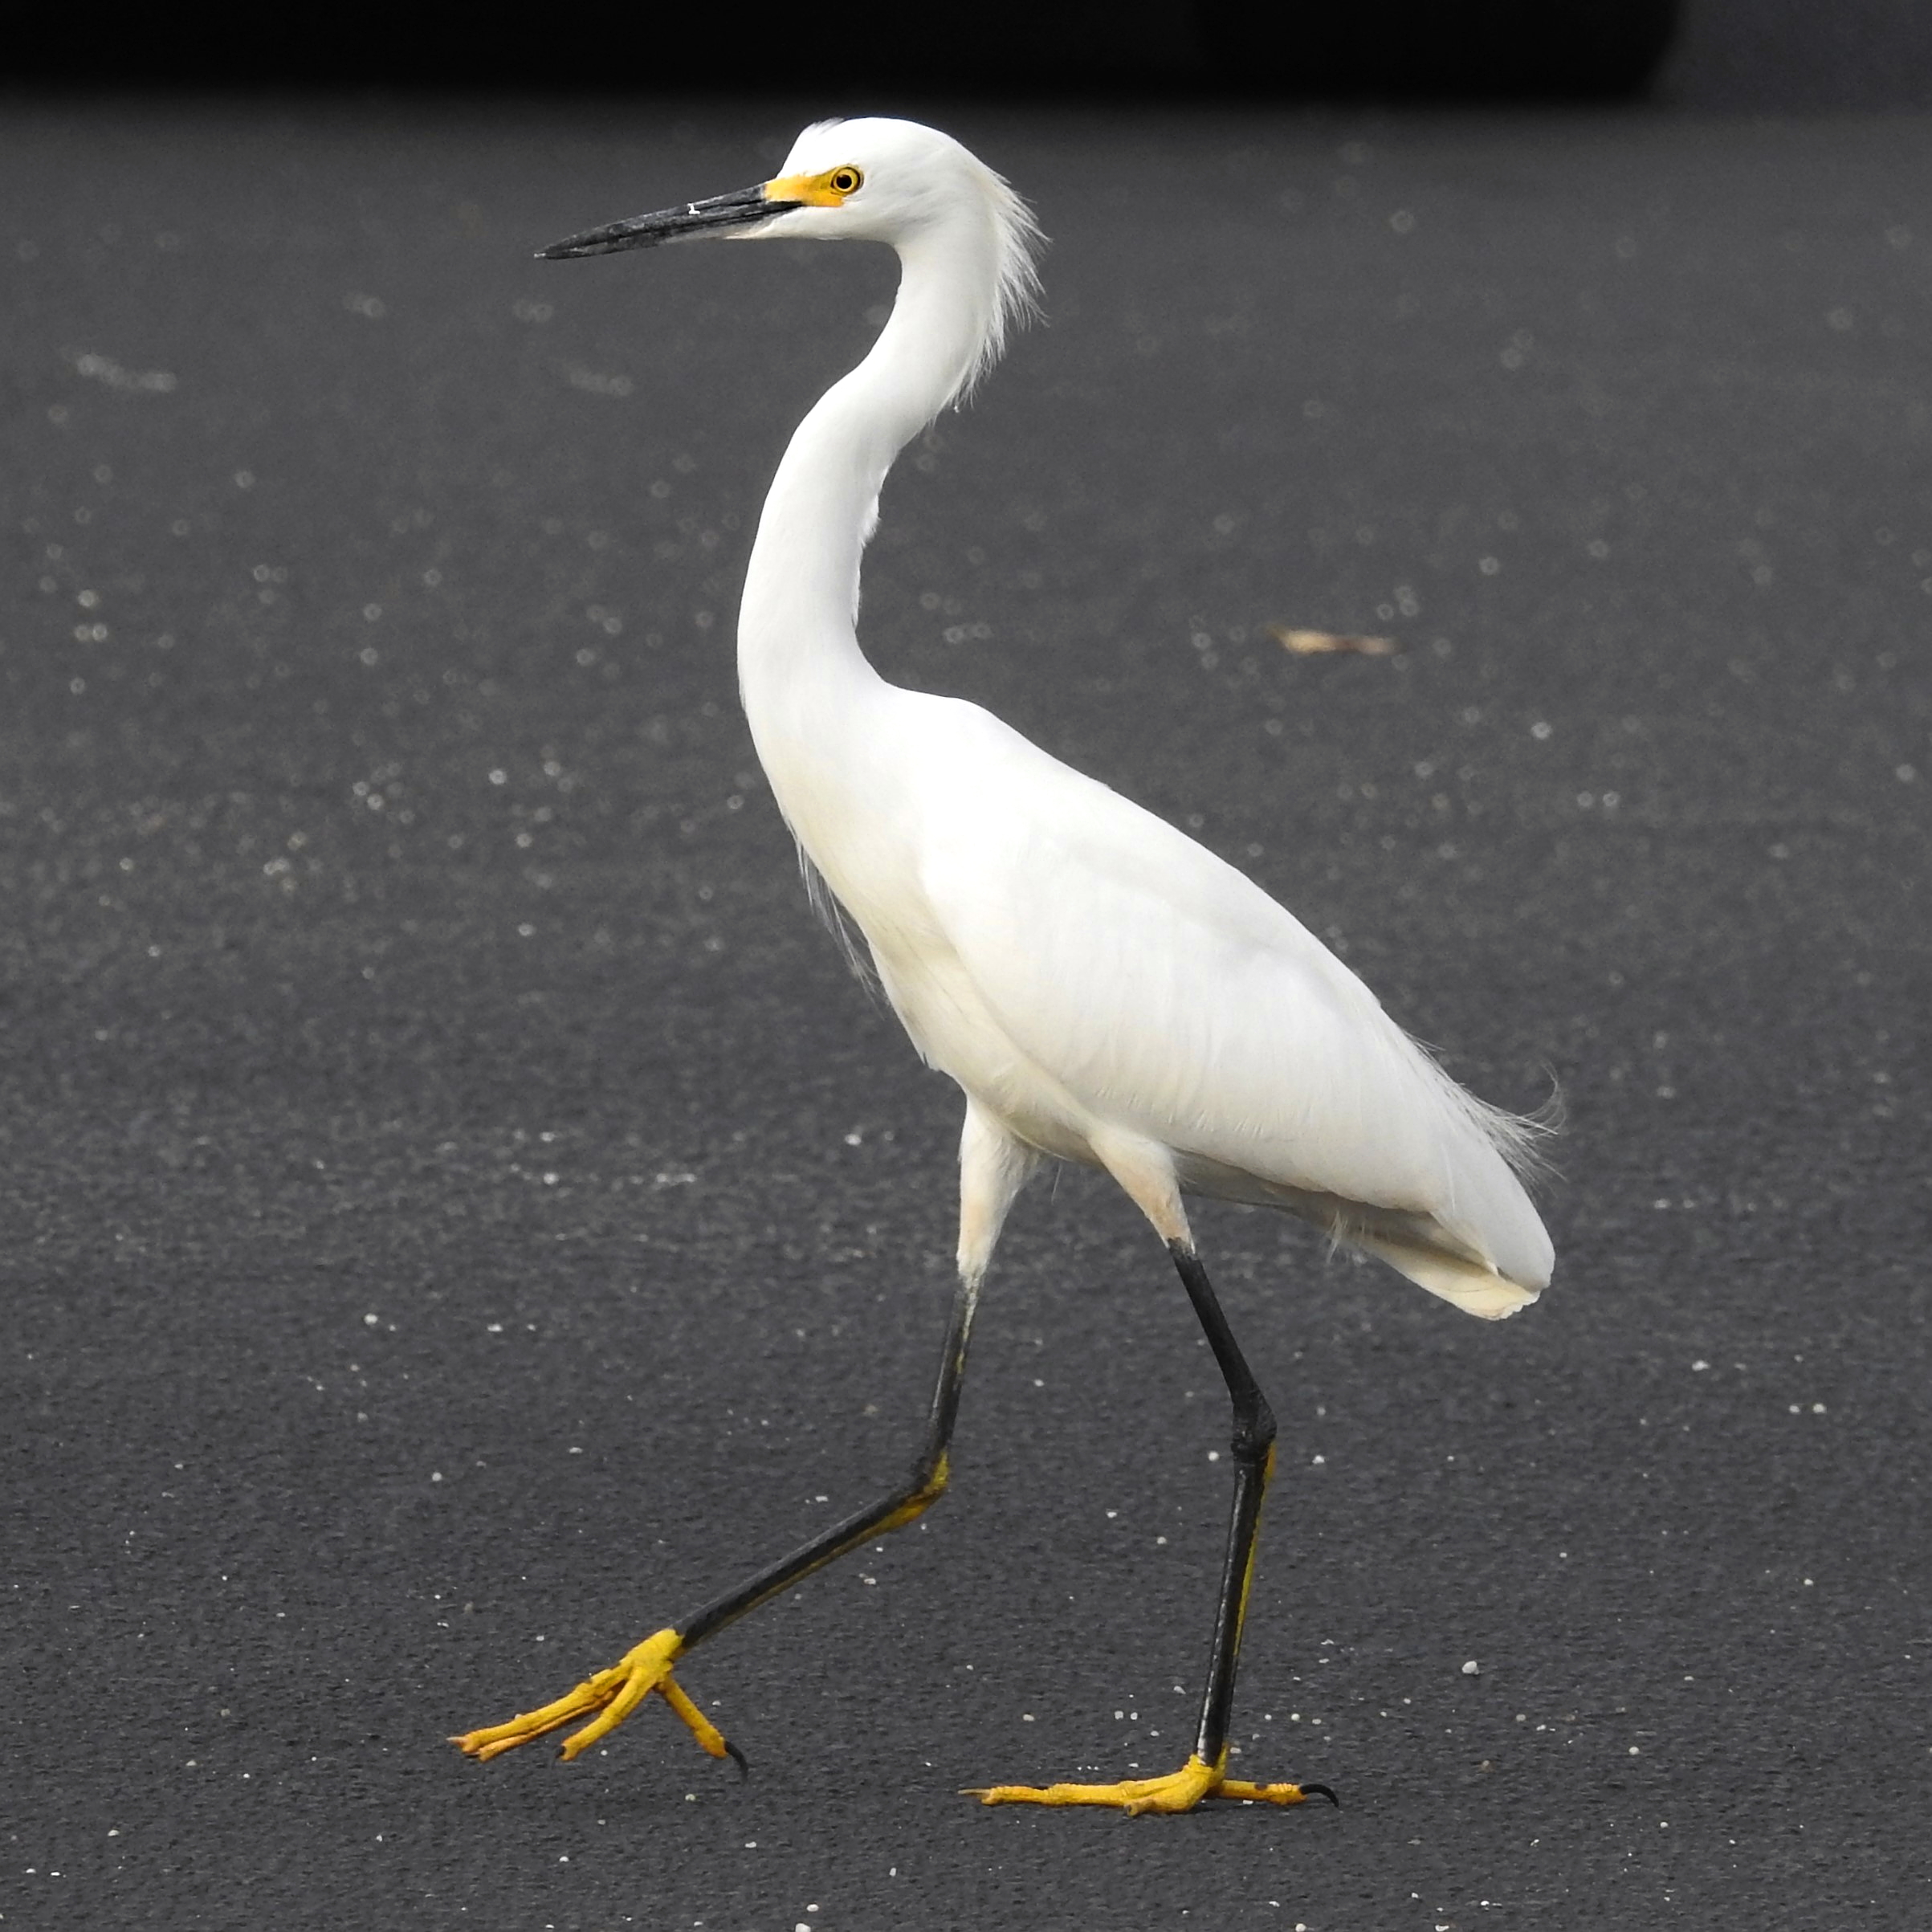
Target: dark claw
{"points": [[744, 1770], [1309, 1790]]}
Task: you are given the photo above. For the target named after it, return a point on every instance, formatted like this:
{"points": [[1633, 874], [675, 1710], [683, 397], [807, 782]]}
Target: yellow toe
{"points": [[1179, 1790], [1271, 1794], [607, 1699]]}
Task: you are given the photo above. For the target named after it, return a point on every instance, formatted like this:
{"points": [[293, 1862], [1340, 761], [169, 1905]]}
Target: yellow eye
{"points": [[830, 189]]}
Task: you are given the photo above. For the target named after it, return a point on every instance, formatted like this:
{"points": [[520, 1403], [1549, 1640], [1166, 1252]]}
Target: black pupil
{"points": [[845, 181]]}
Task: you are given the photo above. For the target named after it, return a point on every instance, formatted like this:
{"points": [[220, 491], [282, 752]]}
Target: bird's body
{"points": [[1026, 921], [1085, 971], [1102, 987]]}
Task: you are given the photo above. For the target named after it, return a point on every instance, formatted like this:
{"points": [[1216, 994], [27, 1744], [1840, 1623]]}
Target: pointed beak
{"points": [[745, 209]]}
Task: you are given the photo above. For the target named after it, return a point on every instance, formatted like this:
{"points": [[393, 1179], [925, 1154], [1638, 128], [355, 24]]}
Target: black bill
{"points": [[745, 209]]}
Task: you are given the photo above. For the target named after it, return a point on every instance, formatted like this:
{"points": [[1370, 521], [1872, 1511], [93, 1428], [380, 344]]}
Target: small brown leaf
{"points": [[1313, 643]]}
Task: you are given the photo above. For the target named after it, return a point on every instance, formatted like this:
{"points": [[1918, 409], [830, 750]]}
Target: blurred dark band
{"points": [[1395, 49]]}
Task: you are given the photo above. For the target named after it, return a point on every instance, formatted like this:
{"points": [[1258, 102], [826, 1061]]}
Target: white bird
{"points": [[1101, 989]]}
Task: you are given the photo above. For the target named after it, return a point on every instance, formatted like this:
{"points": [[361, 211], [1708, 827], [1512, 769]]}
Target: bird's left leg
{"points": [[992, 1168], [1147, 1175]]}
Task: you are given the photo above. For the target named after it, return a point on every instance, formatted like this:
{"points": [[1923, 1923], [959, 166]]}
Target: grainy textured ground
{"points": [[460, 1212]]}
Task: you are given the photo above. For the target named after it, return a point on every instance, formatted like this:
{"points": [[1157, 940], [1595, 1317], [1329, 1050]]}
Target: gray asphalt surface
{"points": [[460, 1212]]}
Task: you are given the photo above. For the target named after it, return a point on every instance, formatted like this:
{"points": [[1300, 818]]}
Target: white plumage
{"points": [[1102, 987]]}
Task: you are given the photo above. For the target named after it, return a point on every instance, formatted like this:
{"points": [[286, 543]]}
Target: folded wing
{"points": [[1172, 996]]}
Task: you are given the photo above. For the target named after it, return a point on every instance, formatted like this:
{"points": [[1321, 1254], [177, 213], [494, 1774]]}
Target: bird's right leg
{"points": [[1146, 1173], [992, 1168]]}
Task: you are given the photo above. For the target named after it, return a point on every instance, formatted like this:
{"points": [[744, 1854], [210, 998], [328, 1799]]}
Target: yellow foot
{"points": [[1178, 1790], [613, 1694]]}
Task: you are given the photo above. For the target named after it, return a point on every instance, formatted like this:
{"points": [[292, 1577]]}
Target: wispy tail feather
{"points": [[1473, 1288]]}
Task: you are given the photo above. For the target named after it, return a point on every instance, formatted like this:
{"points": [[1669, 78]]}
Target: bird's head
{"points": [[872, 180], [844, 181]]}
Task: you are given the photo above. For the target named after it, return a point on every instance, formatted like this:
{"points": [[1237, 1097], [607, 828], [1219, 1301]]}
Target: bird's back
{"points": [[1079, 960]]}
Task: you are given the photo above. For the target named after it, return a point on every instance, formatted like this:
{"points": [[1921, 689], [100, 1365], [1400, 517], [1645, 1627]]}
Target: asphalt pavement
{"points": [[461, 1213]]}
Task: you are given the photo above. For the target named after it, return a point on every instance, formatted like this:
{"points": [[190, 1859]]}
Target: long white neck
{"points": [[799, 662]]}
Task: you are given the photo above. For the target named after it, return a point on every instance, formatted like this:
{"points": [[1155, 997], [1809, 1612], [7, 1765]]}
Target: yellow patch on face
{"points": [[831, 189]]}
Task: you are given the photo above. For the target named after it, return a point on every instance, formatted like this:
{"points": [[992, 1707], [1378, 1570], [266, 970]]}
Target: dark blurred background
{"points": [[1725, 54]]}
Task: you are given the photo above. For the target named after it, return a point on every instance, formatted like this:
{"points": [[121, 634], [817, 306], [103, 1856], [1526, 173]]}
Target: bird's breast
{"points": [[869, 856]]}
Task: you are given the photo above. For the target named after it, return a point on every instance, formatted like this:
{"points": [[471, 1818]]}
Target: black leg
{"points": [[610, 1696], [1252, 1443], [892, 1511], [1204, 1774]]}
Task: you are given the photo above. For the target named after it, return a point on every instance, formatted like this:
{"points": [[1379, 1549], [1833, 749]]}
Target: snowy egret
{"points": [[1101, 989]]}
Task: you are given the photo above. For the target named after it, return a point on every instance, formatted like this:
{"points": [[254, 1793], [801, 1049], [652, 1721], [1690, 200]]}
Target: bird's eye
{"points": [[845, 181]]}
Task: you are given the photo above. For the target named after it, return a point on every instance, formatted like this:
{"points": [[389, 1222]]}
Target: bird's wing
{"points": [[1170, 995]]}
